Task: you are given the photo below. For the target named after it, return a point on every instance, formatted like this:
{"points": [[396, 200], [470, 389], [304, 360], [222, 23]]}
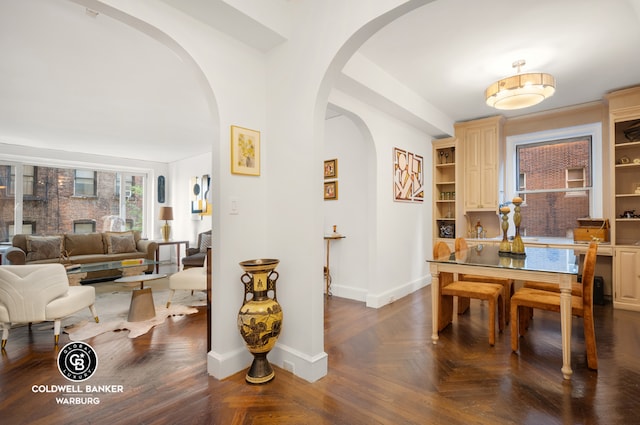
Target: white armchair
{"points": [[38, 293], [193, 279]]}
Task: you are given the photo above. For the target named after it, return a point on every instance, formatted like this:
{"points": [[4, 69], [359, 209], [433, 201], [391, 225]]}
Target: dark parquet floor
{"points": [[383, 369]]}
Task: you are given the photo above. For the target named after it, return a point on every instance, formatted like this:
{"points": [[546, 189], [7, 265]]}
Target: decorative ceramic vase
{"points": [[517, 246], [260, 317]]}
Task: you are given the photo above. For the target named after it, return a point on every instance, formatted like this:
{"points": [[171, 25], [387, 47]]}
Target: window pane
{"points": [[552, 214], [545, 164], [55, 207], [134, 201], [85, 183], [552, 170]]}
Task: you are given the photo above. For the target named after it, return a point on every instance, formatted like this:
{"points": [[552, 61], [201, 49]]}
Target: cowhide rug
{"points": [[113, 308]]}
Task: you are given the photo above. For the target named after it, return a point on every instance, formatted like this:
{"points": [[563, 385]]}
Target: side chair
{"points": [[526, 299], [493, 293], [195, 256], [507, 284]]}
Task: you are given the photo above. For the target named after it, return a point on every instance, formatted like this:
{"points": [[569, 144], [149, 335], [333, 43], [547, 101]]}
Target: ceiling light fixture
{"points": [[520, 90]]}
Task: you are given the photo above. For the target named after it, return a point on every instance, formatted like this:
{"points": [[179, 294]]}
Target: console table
{"points": [[177, 244], [327, 275]]}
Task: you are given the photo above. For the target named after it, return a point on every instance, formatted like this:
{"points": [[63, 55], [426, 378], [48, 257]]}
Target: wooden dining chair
{"points": [[507, 284], [459, 288], [576, 287], [526, 299]]}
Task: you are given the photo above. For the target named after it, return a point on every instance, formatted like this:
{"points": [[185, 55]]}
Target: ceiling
{"points": [[449, 52], [81, 83]]}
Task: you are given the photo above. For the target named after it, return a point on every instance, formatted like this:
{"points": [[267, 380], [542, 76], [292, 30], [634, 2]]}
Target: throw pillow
{"points": [[43, 247], [83, 243], [120, 244], [205, 242]]}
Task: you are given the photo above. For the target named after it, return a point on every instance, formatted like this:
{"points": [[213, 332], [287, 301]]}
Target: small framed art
{"points": [[331, 190], [331, 168], [245, 151]]}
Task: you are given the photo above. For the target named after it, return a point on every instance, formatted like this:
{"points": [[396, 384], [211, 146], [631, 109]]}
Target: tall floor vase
{"points": [[260, 317]]}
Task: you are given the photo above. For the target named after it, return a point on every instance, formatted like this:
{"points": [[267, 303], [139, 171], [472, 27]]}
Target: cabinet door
{"points": [[489, 171], [472, 169], [481, 168], [627, 278]]}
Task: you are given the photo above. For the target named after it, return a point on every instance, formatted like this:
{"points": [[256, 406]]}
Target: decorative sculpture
{"points": [[505, 245], [517, 246]]}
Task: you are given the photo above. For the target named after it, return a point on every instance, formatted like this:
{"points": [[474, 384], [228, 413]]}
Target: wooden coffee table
{"points": [[141, 307]]}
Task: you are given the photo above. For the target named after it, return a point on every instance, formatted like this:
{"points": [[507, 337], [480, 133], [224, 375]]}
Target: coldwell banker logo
{"points": [[77, 361]]}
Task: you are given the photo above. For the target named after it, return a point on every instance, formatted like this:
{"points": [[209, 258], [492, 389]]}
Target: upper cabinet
{"points": [[482, 165], [444, 189], [624, 136]]}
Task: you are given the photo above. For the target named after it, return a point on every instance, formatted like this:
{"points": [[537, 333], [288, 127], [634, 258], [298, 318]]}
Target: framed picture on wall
{"points": [[408, 176], [245, 151], [331, 190], [331, 168]]}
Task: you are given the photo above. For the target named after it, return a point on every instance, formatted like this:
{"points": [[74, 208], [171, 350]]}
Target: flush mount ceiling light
{"points": [[520, 90]]}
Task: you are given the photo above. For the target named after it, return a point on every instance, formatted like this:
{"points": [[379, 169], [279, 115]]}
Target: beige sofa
{"points": [[81, 248]]}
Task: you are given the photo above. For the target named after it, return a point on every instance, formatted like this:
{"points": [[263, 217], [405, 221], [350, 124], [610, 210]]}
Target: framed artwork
{"points": [[245, 151], [408, 176], [195, 194], [331, 169], [161, 189], [200, 196], [331, 190]]}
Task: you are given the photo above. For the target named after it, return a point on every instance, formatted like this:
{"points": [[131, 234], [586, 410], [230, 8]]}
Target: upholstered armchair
{"points": [[196, 256], [192, 279], [39, 293]]}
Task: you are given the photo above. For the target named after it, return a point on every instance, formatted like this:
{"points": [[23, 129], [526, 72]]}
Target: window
{"points": [[84, 183], [66, 200], [575, 178], [128, 182], [553, 172], [28, 228], [28, 180], [84, 226]]}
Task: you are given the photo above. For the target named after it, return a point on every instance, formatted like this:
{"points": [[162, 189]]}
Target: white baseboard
{"points": [[389, 296], [222, 366], [349, 292], [309, 368]]}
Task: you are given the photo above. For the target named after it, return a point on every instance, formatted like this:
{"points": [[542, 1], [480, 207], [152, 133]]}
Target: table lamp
{"points": [[166, 213]]}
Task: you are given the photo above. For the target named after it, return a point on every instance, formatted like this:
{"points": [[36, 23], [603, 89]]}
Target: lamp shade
{"points": [[166, 213]]}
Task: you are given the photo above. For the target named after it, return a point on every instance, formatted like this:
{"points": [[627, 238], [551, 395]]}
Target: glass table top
{"points": [[555, 260], [108, 265]]}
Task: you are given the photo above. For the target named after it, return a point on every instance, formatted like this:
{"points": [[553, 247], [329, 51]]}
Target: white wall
{"points": [[400, 235], [284, 95], [349, 257], [187, 226]]}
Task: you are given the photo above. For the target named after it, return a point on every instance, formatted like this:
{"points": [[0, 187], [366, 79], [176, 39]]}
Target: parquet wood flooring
{"points": [[383, 369]]}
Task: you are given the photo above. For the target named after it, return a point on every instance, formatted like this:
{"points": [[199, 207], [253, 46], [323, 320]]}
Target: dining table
{"points": [[543, 264]]}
